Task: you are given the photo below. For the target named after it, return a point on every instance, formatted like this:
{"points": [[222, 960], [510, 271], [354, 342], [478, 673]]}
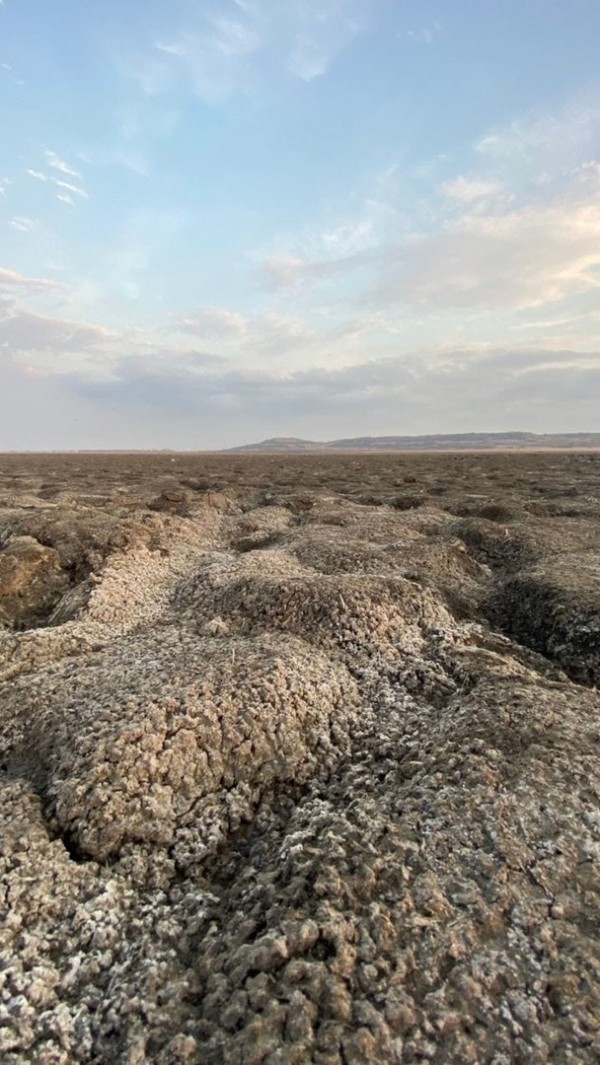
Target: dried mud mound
{"points": [[166, 727], [276, 789]]}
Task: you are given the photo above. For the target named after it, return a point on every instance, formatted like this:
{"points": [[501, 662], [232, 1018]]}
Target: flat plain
{"points": [[300, 758]]}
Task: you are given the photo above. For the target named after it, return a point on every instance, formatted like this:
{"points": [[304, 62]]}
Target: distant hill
{"points": [[442, 442]]}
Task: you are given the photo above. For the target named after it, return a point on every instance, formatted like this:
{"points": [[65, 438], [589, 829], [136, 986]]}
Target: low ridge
{"points": [[437, 442]]}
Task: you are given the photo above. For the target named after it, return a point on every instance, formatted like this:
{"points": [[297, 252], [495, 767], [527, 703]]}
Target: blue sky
{"points": [[229, 220]]}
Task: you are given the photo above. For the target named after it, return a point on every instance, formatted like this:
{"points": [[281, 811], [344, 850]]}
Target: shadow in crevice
{"points": [[536, 616], [29, 768]]}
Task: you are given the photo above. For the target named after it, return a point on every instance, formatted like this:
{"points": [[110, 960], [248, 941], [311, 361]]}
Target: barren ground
{"points": [[300, 759]]}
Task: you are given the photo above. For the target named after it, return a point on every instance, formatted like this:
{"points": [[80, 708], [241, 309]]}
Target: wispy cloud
{"points": [[340, 242], [57, 163], [75, 189], [519, 258], [235, 50], [12, 280], [69, 192], [282, 272], [544, 146], [495, 243], [322, 34], [214, 57], [469, 190], [24, 225], [423, 34]]}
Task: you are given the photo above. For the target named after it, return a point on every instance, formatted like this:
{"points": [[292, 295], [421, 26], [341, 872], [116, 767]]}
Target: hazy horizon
{"points": [[242, 219]]}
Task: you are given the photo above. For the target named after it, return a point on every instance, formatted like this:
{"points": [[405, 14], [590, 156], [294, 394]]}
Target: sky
{"points": [[230, 220]]}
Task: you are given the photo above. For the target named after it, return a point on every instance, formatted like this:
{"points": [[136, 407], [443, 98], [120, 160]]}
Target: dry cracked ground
{"points": [[300, 759]]}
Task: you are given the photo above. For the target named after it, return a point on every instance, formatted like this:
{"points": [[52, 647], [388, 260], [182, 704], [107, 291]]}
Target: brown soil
{"points": [[299, 759]]}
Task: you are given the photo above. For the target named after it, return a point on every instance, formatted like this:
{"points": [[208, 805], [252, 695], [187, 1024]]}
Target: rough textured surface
{"points": [[555, 608], [32, 581], [277, 784]]}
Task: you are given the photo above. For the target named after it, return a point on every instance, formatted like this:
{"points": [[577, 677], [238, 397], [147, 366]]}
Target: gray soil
{"points": [[300, 759]]}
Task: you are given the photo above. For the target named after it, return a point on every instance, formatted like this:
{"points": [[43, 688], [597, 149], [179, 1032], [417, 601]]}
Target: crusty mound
{"points": [[268, 590], [129, 743]]}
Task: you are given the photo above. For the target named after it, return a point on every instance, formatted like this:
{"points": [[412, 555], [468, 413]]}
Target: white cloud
{"points": [[468, 190], [520, 258], [57, 163], [75, 189], [24, 225], [68, 190]]}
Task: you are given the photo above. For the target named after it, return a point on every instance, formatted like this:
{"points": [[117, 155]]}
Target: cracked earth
{"points": [[300, 759]]}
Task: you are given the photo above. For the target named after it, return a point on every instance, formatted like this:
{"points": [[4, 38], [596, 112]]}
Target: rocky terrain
{"points": [[300, 759]]}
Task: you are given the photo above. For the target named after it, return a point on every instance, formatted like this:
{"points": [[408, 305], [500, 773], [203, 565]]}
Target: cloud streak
{"points": [[22, 224], [57, 163], [11, 280], [76, 190]]}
